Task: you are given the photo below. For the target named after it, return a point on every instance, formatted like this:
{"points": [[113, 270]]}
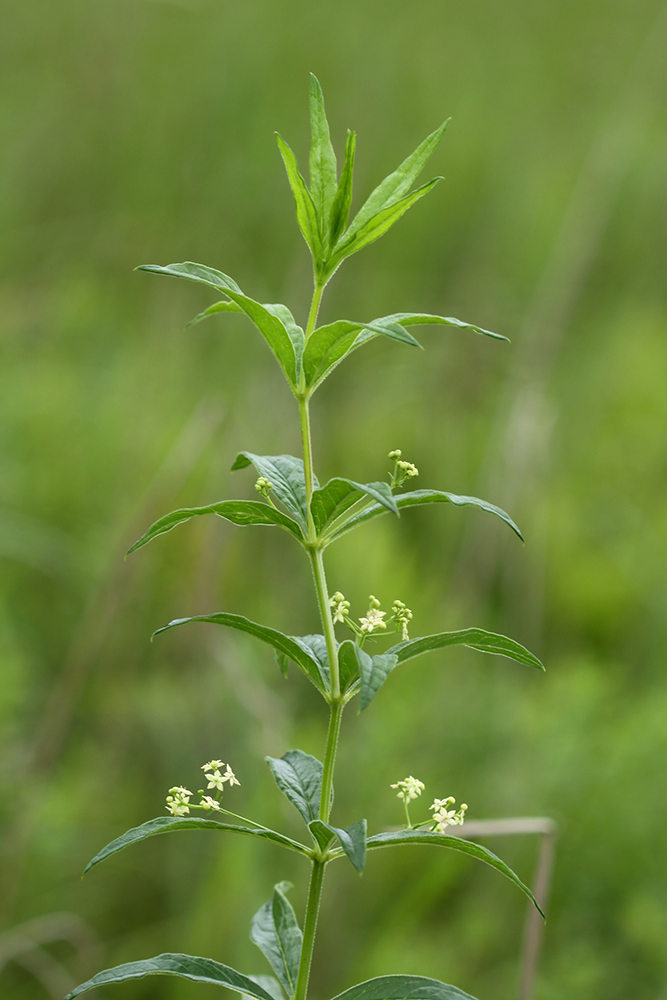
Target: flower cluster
{"points": [[374, 617], [178, 799], [401, 615], [340, 607], [444, 817], [402, 470], [263, 486], [410, 788]]}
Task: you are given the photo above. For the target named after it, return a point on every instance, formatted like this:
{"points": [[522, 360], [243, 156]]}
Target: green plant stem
{"points": [[314, 309], [317, 563], [330, 759], [309, 929]]}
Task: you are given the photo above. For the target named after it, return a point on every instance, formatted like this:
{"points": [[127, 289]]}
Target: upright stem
{"points": [[336, 707], [309, 929]]}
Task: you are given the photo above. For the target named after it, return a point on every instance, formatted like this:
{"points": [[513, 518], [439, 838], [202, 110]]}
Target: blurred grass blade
{"points": [[171, 824], [403, 988], [199, 970], [285, 644], [286, 475], [417, 498], [265, 319], [237, 511], [306, 212], [340, 209], [276, 932], [455, 843], [322, 158], [331, 500], [217, 307], [298, 775]]}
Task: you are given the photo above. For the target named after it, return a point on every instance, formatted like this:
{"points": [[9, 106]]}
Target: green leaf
{"points": [[328, 345], [415, 499], [286, 475], [199, 970], [424, 319], [340, 209], [171, 824], [455, 843], [217, 307], [237, 511], [306, 212], [476, 638], [331, 500], [269, 324], [397, 184], [322, 158], [350, 658], [286, 644], [374, 672], [403, 988], [377, 225], [270, 984], [299, 777], [352, 839], [277, 934]]}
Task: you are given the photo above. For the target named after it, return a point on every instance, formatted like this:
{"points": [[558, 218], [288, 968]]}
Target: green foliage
{"points": [[276, 932]]}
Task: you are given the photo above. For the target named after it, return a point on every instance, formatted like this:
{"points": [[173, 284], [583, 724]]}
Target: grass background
{"points": [[141, 131]]}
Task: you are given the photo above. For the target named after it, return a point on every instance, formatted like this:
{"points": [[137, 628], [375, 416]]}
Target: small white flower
{"points": [[444, 817], [230, 777], [212, 765], [215, 779], [373, 620], [410, 788], [403, 615], [408, 469], [178, 801], [208, 803]]}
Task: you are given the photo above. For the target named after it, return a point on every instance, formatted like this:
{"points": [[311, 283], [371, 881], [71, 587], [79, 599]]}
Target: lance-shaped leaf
{"points": [[374, 677], [403, 988], [277, 934], [322, 158], [397, 184], [306, 212], [174, 824], [376, 226], [289, 645], [328, 345], [286, 342], [298, 775], [350, 660], [286, 475], [374, 672], [199, 970], [217, 307], [340, 209], [331, 500], [237, 511], [352, 839], [426, 319], [476, 638], [405, 837], [417, 498]]}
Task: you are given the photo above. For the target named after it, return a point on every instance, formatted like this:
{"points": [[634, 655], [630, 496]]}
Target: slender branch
{"points": [[314, 309], [330, 759], [317, 563], [309, 929]]}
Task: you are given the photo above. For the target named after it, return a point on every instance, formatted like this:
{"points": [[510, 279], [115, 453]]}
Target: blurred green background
{"points": [[140, 131]]}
